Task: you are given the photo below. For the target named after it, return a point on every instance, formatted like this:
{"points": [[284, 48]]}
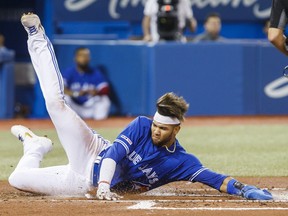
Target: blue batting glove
{"points": [[253, 193]]}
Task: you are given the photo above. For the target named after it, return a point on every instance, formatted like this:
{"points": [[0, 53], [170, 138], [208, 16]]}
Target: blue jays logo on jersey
{"points": [[148, 171]]}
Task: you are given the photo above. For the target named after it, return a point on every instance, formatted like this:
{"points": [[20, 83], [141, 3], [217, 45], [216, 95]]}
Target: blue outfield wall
{"points": [[6, 90], [231, 78]]}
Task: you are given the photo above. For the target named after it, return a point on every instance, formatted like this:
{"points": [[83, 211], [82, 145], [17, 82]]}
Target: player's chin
{"points": [[156, 141]]}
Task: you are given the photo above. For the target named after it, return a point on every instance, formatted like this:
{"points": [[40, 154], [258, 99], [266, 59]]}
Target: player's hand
{"points": [[104, 193], [147, 38], [254, 193]]}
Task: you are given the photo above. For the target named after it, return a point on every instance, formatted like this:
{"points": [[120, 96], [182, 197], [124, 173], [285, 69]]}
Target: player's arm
{"points": [[234, 187], [146, 28], [107, 171], [196, 172], [278, 20], [191, 22], [70, 93], [278, 39], [66, 80], [74, 94], [146, 21], [231, 186], [101, 89], [121, 147], [100, 85]]}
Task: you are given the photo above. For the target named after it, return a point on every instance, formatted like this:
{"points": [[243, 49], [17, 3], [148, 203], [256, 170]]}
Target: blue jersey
{"points": [[141, 164], [90, 80]]}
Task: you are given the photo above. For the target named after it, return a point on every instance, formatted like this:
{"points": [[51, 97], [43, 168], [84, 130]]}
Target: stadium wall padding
{"points": [[6, 90], [229, 78]]}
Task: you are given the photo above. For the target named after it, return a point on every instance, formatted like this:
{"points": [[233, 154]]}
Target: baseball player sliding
{"points": [[145, 155]]}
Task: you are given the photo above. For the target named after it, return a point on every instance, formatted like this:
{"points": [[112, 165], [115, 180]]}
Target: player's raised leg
{"points": [[34, 147], [80, 143], [55, 180], [27, 174]]}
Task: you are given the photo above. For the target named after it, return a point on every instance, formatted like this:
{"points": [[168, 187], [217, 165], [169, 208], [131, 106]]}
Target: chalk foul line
{"points": [[150, 205]]}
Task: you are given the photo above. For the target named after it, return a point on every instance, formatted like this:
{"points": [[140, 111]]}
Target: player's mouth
{"points": [[156, 140], [155, 137]]}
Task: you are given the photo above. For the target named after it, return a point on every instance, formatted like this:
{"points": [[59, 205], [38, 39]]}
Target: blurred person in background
{"points": [[86, 88], [212, 27], [278, 21], [6, 55], [166, 20], [266, 27]]}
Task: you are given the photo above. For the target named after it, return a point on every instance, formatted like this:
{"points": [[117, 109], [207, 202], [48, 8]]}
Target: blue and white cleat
{"points": [[32, 24], [31, 141]]}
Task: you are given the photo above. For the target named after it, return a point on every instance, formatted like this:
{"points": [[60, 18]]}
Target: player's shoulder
{"points": [[97, 73], [140, 122], [143, 121], [69, 71]]}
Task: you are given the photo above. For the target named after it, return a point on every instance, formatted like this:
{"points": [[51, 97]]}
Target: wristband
{"points": [[104, 182]]}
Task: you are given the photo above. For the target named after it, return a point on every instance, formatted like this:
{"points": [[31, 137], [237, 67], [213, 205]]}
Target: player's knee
{"points": [[53, 104], [15, 180]]}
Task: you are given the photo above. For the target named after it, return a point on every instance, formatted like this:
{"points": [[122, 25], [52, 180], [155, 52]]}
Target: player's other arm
{"points": [[121, 147], [223, 183], [67, 81], [278, 39], [278, 20], [191, 22], [146, 28], [101, 89], [69, 92], [234, 187], [107, 170]]}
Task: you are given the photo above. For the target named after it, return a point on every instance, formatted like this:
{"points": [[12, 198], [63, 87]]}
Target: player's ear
{"points": [[177, 129]]}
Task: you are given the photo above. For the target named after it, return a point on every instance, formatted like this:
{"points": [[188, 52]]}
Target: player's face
{"points": [[213, 25], [82, 57], [163, 134]]}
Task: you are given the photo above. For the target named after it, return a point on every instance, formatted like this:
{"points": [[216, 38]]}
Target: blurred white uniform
{"points": [[96, 107]]}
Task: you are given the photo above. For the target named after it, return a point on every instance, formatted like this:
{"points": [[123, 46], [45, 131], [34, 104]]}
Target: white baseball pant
{"points": [[96, 107], [80, 143]]}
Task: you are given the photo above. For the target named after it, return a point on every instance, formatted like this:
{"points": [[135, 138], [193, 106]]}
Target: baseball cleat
{"points": [[23, 133], [31, 23]]}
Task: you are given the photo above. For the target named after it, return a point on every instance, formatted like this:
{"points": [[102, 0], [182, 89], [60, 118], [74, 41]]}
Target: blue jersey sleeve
{"points": [[128, 139], [98, 79], [196, 172], [66, 74]]}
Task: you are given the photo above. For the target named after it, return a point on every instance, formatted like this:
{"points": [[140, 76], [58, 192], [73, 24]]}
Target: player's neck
{"points": [[82, 69], [170, 143], [168, 147]]}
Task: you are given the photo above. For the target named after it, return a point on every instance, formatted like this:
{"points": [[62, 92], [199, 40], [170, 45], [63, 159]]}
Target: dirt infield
{"points": [[179, 198], [175, 199]]}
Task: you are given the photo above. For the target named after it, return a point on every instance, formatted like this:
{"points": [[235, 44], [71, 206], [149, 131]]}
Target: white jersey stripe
{"points": [[124, 145], [197, 173]]}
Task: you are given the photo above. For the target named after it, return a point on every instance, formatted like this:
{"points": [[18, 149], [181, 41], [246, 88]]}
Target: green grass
{"points": [[251, 150], [240, 150]]}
